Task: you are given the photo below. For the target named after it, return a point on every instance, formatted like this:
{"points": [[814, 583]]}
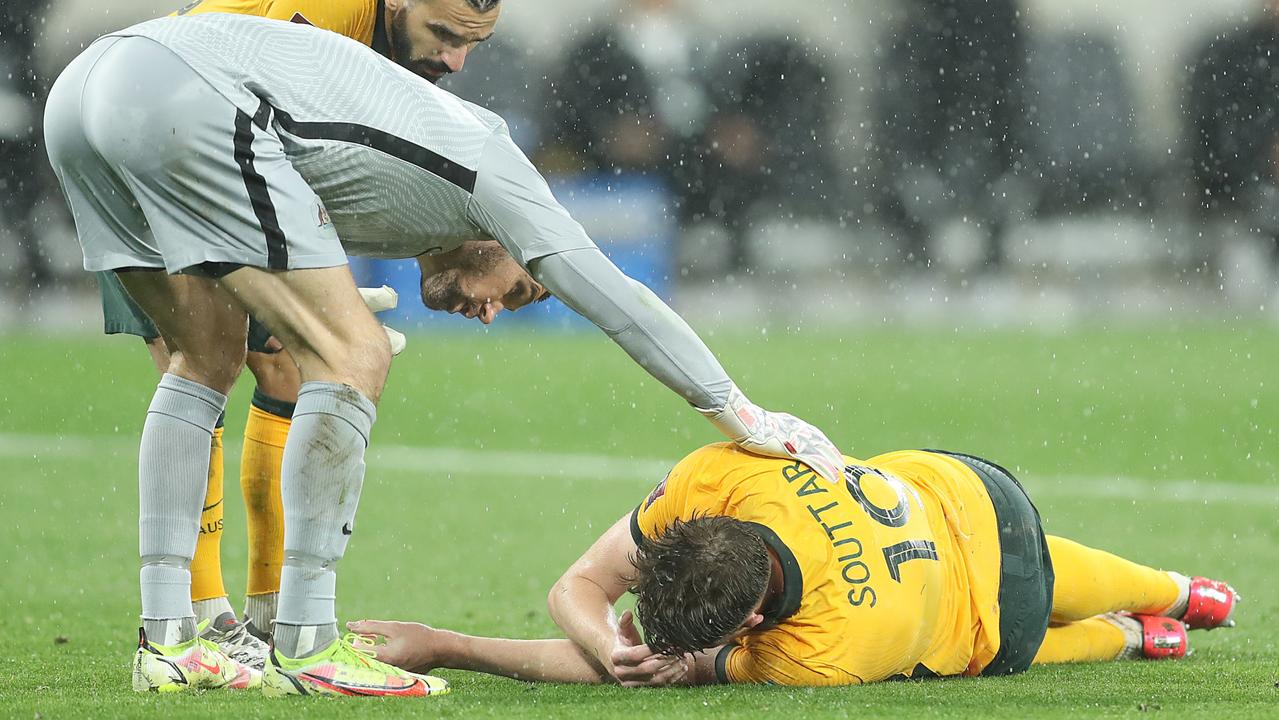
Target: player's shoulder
{"points": [[352, 18], [708, 453], [714, 463], [693, 481], [713, 471], [332, 7], [912, 461]]}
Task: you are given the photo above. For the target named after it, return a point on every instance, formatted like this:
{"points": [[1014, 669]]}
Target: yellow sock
{"points": [[1093, 582], [206, 566], [1091, 640], [264, 437]]}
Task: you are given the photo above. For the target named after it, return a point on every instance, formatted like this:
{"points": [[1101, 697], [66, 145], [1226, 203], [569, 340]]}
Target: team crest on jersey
{"points": [[323, 215], [658, 491]]}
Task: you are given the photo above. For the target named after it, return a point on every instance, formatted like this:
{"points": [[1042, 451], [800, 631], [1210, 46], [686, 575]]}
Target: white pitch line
{"points": [[435, 462]]}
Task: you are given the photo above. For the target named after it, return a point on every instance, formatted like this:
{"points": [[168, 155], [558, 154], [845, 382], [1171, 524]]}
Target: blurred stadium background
{"points": [[992, 161], [1041, 231]]}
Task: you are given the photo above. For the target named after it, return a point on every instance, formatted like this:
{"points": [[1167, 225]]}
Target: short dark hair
{"points": [[697, 581]]}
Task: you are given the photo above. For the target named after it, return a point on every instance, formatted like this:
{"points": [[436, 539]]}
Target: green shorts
{"points": [[121, 315], [1026, 573]]}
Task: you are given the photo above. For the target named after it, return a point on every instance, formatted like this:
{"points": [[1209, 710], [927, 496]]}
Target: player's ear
{"points": [[427, 265], [752, 620]]}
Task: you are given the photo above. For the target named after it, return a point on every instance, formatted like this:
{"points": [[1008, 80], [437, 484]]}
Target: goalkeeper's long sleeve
{"points": [[512, 203], [636, 319]]}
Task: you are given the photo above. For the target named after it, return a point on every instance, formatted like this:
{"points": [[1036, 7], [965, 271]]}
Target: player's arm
{"points": [[581, 601], [420, 648], [600, 647], [513, 203]]}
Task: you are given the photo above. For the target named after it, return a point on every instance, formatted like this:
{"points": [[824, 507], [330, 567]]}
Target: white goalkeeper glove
{"points": [[778, 435], [379, 300]]}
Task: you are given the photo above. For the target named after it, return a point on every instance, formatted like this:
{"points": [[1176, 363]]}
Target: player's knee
{"points": [[357, 354], [371, 362], [216, 369]]}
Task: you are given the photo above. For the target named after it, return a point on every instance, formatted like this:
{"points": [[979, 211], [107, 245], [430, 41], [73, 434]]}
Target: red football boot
{"points": [[1162, 638], [1210, 605]]}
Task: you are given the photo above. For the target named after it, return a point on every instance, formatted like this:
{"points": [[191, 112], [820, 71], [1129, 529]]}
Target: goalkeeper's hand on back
{"points": [[778, 435]]}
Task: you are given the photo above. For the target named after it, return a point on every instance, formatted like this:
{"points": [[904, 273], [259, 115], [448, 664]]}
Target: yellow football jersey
{"points": [[357, 19], [895, 574]]}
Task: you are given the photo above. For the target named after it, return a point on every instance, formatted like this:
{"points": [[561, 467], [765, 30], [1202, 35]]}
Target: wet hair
{"points": [[697, 581]]}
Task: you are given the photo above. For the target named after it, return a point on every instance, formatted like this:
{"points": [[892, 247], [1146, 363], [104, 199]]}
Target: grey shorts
{"points": [[161, 171]]}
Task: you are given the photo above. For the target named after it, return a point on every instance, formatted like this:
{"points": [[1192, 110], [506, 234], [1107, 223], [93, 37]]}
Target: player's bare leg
{"points": [[265, 433], [343, 356], [159, 353], [204, 358], [319, 316], [208, 591]]}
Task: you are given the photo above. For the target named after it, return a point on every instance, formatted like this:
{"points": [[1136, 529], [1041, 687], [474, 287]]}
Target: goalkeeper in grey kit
{"points": [[217, 186]]}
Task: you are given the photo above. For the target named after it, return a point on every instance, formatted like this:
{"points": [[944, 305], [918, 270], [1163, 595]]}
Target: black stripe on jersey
{"points": [[277, 250], [262, 118], [396, 147]]}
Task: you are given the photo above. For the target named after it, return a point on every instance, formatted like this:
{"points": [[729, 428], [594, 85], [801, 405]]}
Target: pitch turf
{"points": [[1160, 445]]}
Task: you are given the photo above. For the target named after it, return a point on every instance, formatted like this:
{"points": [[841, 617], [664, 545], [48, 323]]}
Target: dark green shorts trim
{"points": [[120, 315], [721, 664], [268, 404], [1026, 573]]}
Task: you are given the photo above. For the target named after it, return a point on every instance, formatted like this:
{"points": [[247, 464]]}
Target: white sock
{"points": [[173, 631], [173, 473], [1133, 636], [212, 609], [260, 610], [321, 477], [1178, 608]]}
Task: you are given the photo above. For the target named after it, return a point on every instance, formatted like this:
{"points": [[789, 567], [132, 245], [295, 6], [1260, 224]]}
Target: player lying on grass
{"points": [[751, 569], [431, 38], [224, 166]]}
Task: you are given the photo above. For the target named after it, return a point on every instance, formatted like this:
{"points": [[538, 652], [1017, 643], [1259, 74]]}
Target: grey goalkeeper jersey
{"points": [[403, 167]]}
